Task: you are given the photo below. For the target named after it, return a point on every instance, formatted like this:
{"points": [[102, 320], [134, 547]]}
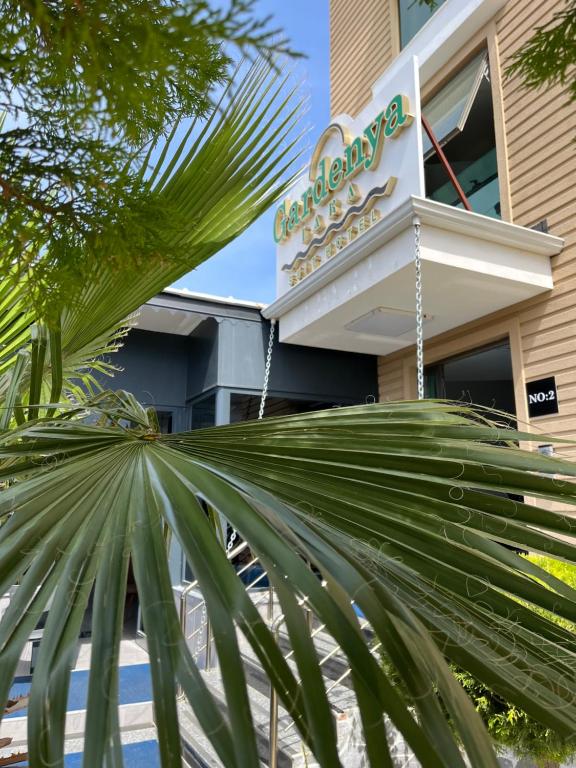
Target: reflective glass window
{"points": [[413, 15]]}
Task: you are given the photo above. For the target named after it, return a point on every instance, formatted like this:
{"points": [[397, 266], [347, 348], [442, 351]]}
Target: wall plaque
{"points": [[542, 397]]}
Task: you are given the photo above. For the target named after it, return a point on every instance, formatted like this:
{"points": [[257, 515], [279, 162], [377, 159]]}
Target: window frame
{"points": [[437, 367], [479, 53], [481, 62], [484, 37], [480, 333], [486, 40]]}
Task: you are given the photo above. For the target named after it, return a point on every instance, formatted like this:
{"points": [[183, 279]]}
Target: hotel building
{"points": [[435, 159]]}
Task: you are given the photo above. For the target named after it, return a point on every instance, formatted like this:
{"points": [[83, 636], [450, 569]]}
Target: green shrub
{"points": [[508, 725], [511, 727]]}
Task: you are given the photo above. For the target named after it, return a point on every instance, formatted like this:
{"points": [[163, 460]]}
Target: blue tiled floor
{"points": [[135, 685], [143, 754]]}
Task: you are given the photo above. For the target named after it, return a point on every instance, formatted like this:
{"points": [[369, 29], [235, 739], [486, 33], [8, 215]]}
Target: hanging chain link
{"points": [[419, 312], [263, 397], [231, 541], [200, 636], [267, 370]]}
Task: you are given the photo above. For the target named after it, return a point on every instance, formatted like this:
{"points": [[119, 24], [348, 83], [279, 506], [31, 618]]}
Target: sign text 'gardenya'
{"points": [[334, 210]]}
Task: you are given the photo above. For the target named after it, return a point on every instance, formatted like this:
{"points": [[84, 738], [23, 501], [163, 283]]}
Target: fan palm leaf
{"points": [[390, 505]]}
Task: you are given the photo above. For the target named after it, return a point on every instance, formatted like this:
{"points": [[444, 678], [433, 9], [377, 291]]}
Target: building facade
{"points": [[498, 278]]}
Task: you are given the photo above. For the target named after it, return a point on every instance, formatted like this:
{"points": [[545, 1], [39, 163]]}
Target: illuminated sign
{"points": [[356, 166]]}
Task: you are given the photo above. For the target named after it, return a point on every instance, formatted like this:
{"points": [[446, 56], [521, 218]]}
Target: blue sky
{"points": [[246, 268]]}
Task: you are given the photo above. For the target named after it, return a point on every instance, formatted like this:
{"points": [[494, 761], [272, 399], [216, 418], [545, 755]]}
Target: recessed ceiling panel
{"points": [[385, 321]]}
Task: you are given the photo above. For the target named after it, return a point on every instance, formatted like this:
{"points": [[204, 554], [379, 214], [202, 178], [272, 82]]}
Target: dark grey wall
{"points": [[324, 373], [167, 371], [155, 367], [317, 373], [203, 358]]}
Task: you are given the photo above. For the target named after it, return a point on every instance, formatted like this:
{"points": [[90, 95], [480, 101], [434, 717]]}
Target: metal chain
{"points": [[263, 397], [419, 312], [267, 369], [231, 541], [200, 633]]}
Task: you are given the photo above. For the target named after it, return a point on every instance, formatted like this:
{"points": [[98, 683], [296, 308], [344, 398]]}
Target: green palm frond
{"points": [[216, 176], [387, 508], [15, 321]]}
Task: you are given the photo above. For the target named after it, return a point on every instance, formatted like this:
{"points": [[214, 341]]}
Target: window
{"points": [[188, 575], [164, 421], [413, 15], [204, 413], [482, 376], [461, 116], [246, 407]]}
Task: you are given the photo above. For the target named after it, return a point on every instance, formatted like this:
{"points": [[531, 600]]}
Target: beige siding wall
{"points": [[538, 137], [362, 45], [391, 378]]}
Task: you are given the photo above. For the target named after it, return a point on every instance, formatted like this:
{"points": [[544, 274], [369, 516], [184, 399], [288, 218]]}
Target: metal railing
{"points": [[263, 596], [273, 722], [259, 592], [274, 735]]}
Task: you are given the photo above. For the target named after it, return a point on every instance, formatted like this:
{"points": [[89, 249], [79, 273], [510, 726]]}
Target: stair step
{"points": [[198, 746], [341, 694], [131, 716], [338, 683], [199, 751]]}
